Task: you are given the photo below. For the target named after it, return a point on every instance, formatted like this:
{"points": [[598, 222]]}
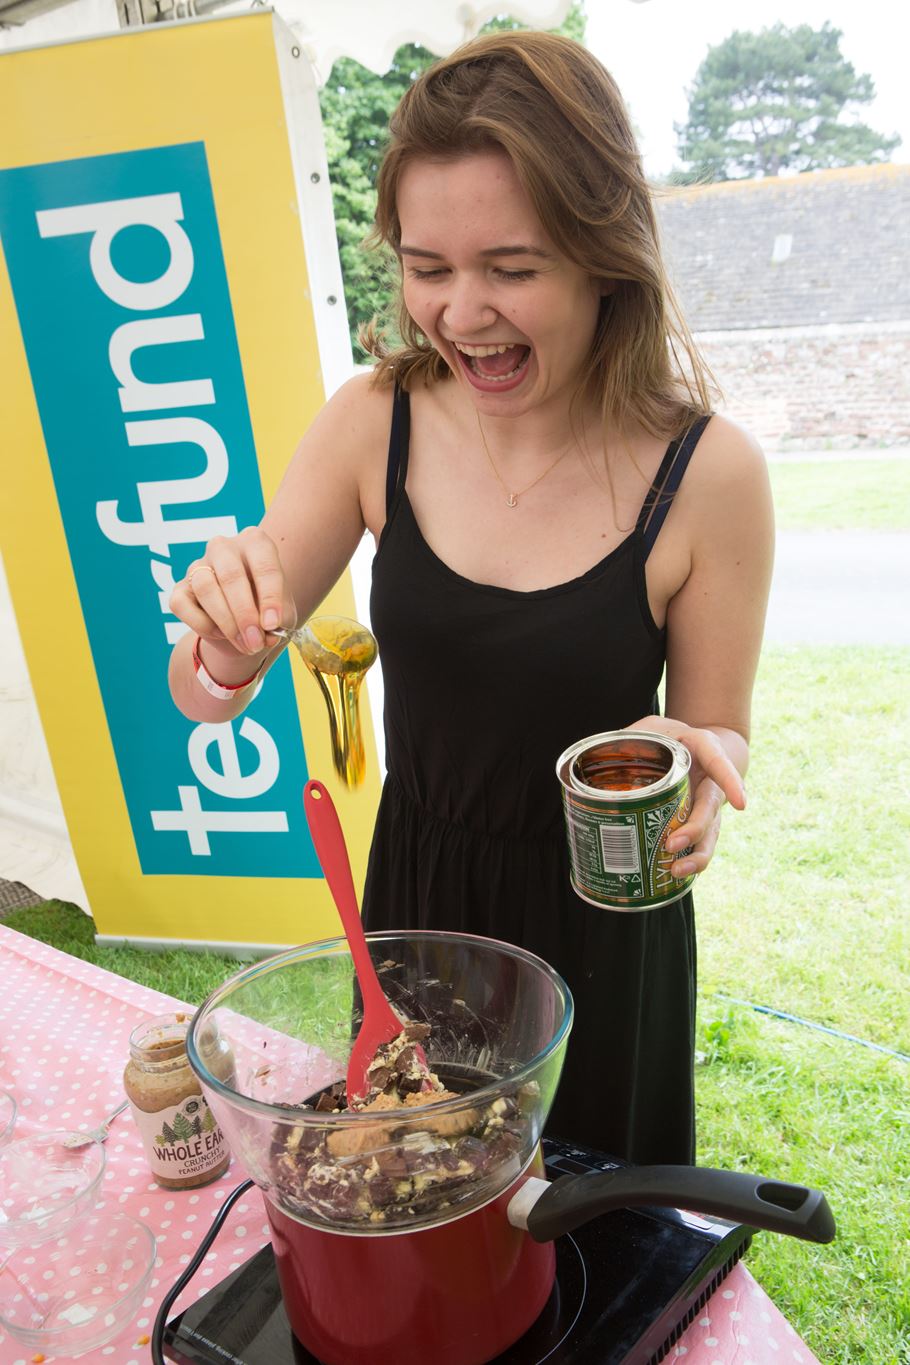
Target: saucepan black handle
{"points": [[737, 1196]]}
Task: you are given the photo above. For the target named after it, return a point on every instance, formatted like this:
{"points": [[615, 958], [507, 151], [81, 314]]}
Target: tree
{"points": [[183, 1129], [356, 107], [781, 99]]}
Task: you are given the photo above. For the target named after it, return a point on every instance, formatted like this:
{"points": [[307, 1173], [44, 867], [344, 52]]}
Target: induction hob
{"points": [[627, 1286]]}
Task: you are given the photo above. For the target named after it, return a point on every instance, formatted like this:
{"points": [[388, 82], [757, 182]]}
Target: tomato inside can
{"points": [[624, 793]]}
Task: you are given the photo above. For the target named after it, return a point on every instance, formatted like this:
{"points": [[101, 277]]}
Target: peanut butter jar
{"points": [[183, 1142]]}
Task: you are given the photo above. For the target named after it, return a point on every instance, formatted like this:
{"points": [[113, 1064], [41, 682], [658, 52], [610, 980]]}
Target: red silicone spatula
{"points": [[380, 1022]]}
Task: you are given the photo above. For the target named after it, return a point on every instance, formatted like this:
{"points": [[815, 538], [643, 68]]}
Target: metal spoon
{"points": [[332, 644], [82, 1139]]}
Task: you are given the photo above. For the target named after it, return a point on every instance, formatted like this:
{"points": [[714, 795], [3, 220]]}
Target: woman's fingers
{"points": [[714, 761], [699, 833], [187, 606], [714, 779], [237, 592], [228, 594], [274, 604]]}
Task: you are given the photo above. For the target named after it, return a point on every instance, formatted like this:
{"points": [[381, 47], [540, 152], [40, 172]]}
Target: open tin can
{"points": [[624, 793]]}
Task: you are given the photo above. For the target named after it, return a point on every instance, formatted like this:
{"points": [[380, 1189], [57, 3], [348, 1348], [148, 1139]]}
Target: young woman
{"points": [[559, 521]]}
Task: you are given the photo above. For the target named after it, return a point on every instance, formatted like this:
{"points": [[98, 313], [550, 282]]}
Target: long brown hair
{"points": [[557, 113]]}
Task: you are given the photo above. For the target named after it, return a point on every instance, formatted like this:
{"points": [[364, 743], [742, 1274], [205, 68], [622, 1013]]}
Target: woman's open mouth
{"points": [[494, 368]]}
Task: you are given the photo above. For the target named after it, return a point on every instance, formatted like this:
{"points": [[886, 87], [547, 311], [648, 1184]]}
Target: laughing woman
{"points": [[559, 520]]}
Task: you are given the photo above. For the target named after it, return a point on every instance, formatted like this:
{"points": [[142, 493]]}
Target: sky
{"points": [[653, 50]]}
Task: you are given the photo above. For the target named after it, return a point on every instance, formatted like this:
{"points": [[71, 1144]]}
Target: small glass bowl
{"points": [[7, 1117], [76, 1292], [45, 1186]]}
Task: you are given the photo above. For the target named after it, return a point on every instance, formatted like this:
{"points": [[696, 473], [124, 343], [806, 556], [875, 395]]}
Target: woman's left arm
{"points": [[714, 628]]}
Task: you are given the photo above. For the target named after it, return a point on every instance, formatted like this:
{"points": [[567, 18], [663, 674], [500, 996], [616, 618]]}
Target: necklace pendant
{"points": [[512, 500]]}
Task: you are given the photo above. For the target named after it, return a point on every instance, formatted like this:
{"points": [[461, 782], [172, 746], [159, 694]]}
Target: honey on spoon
{"points": [[338, 652]]}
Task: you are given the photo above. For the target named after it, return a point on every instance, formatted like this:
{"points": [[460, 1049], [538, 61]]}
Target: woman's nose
{"points": [[467, 308]]}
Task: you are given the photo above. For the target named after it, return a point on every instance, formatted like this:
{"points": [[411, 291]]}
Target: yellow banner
{"points": [[163, 347]]}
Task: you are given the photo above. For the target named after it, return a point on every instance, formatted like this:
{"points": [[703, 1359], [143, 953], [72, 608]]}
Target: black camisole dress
{"points": [[484, 689]]}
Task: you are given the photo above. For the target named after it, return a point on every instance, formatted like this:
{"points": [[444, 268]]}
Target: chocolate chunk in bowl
{"points": [[423, 1153]]}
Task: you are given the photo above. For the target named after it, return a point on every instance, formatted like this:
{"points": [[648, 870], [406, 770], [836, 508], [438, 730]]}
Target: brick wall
{"points": [[834, 387]]}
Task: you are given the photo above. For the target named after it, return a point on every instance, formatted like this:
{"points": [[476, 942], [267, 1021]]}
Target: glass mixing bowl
{"points": [[76, 1292], [45, 1185], [499, 1021]]}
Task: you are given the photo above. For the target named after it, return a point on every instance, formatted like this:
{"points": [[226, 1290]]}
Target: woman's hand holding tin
{"points": [[714, 779]]}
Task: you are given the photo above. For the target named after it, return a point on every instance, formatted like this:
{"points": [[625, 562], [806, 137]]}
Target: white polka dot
{"points": [[702, 1322], [734, 1316], [728, 1294], [710, 1341], [240, 1232]]}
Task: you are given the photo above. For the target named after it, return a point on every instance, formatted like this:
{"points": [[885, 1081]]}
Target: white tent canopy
{"points": [[370, 31]]}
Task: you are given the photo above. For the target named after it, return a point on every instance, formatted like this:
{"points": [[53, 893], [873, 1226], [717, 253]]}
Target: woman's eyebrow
{"points": [[519, 249]]}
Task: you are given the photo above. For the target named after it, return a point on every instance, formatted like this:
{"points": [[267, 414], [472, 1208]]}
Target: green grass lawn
{"points": [[804, 910], [861, 493]]}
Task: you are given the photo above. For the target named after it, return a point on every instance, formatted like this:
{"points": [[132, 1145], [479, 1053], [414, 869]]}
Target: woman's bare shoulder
{"points": [[728, 453], [726, 492], [357, 416]]}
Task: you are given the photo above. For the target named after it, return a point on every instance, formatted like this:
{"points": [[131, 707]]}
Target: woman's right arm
{"points": [[277, 573]]}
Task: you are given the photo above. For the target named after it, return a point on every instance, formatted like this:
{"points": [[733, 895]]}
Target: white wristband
{"points": [[224, 692]]}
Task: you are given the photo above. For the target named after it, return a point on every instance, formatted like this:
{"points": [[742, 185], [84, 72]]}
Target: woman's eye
{"points": [[415, 273]]}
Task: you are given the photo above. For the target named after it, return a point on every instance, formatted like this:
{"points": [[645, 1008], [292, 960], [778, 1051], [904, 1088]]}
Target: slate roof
{"points": [[788, 251]]}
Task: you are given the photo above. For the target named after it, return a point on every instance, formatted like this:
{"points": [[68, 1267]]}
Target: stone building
{"points": [[798, 291]]}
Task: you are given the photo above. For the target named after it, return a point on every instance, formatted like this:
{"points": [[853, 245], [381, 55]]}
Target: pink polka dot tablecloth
{"points": [[64, 1030]]}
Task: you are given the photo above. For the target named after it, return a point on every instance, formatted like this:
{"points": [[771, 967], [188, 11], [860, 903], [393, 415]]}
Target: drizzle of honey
{"points": [[338, 652]]}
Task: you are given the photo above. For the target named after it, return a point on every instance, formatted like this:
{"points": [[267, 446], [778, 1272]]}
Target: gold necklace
{"points": [[511, 496]]}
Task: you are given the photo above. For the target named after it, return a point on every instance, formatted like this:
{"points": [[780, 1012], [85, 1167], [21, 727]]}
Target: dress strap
{"points": [[399, 440], [666, 484]]}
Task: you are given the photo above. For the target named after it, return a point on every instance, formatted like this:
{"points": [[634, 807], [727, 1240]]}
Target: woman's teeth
{"points": [[476, 355], [485, 350]]}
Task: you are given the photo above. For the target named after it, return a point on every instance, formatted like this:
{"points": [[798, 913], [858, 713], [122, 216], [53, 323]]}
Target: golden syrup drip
{"points": [[338, 652]]}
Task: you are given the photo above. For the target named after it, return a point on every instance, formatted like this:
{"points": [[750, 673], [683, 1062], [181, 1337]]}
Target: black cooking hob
{"points": [[627, 1286]]}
